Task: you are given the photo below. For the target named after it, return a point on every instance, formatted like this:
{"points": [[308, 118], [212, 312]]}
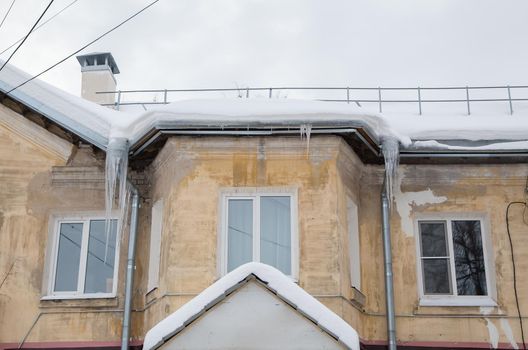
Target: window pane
{"points": [[434, 242], [239, 232], [101, 258], [436, 276], [68, 257], [469, 258], [275, 232]]}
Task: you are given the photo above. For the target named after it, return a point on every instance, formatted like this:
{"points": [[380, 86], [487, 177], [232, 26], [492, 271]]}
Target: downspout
{"points": [[387, 255], [390, 153], [130, 267]]}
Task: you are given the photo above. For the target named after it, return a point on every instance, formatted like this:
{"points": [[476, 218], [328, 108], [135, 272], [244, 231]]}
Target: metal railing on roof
{"points": [[349, 95]]}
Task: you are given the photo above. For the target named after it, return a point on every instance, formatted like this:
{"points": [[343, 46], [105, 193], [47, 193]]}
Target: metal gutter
{"points": [[125, 334], [254, 131]]}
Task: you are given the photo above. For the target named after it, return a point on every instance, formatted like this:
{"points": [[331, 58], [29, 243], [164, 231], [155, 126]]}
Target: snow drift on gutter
{"points": [[275, 280], [254, 112]]}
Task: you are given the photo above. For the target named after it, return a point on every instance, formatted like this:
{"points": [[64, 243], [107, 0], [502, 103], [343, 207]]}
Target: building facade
{"points": [[210, 202]]}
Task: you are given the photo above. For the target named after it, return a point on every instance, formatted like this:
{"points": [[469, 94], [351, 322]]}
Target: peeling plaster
{"points": [[492, 329], [493, 333], [406, 201], [505, 325]]}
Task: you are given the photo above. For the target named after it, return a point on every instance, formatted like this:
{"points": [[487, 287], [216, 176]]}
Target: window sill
{"points": [[78, 296], [357, 298], [457, 301]]}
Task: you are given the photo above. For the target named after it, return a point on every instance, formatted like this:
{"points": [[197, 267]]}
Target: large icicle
{"points": [[390, 148], [115, 179], [306, 132]]}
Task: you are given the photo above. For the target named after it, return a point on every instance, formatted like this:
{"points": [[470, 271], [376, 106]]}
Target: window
{"points": [[453, 262], [259, 226], [83, 258], [353, 244], [155, 245]]}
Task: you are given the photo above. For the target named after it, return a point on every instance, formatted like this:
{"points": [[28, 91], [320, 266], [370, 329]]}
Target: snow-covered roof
{"points": [[84, 118], [274, 280], [96, 124]]}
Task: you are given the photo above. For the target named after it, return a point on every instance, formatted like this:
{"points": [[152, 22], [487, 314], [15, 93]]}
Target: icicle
{"points": [[115, 178], [124, 212], [306, 131], [391, 155]]}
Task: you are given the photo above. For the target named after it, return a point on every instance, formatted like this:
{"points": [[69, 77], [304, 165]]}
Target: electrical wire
{"points": [[27, 35], [40, 25], [82, 48], [7, 13], [525, 204]]}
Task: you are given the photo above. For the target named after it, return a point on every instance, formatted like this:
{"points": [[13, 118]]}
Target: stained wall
{"points": [[42, 176]]}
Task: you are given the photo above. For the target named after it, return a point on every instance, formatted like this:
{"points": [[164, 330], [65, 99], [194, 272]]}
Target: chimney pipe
{"points": [[98, 74]]}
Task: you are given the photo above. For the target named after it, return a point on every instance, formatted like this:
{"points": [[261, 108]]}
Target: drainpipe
{"points": [[130, 267], [387, 255], [391, 154]]}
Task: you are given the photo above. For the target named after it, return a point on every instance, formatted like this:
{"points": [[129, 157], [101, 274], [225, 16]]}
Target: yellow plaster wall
{"points": [[480, 189], [43, 175], [189, 174]]}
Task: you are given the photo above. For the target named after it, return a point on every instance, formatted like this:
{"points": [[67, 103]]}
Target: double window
{"points": [[453, 261], [259, 226], [84, 258]]}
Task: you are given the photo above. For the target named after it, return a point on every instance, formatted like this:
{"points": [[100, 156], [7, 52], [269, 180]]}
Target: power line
{"points": [[82, 48], [27, 35], [7, 13], [514, 270], [40, 25]]}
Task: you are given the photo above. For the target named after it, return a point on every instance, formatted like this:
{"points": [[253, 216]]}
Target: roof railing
{"points": [[347, 92]]}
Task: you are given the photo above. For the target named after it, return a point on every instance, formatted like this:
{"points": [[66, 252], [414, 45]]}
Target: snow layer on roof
{"points": [[277, 281], [499, 146], [72, 112], [475, 127], [97, 124], [254, 112]]}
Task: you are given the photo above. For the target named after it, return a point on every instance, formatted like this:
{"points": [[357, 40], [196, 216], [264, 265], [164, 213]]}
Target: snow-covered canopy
{"points": [[275, 281], [97, 124]]}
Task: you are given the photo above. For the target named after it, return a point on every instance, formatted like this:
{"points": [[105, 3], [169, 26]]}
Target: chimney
{"points": [[98, 70]]}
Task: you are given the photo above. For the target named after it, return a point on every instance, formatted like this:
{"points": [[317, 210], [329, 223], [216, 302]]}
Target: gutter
{"points": [[138, 146], [125, 333]]}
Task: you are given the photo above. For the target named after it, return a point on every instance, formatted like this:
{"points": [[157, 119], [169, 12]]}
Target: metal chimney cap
{"points": [[95, 60]]}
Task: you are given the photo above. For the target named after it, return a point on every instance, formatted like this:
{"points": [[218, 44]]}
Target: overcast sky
{"points": [[229, 43]]}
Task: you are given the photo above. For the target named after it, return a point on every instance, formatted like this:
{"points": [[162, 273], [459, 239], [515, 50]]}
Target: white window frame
{"points": [[85, 219], [254, 193], [454, 299]]}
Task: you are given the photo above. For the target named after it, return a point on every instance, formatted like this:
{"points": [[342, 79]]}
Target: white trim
{"points": [[156, 229], [79, 296], [354, 254], [454, 299], [85, 219], [254, 194]]}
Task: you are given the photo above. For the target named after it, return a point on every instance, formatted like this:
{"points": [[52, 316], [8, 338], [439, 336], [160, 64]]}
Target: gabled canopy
{"points": [[274, 281]]}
